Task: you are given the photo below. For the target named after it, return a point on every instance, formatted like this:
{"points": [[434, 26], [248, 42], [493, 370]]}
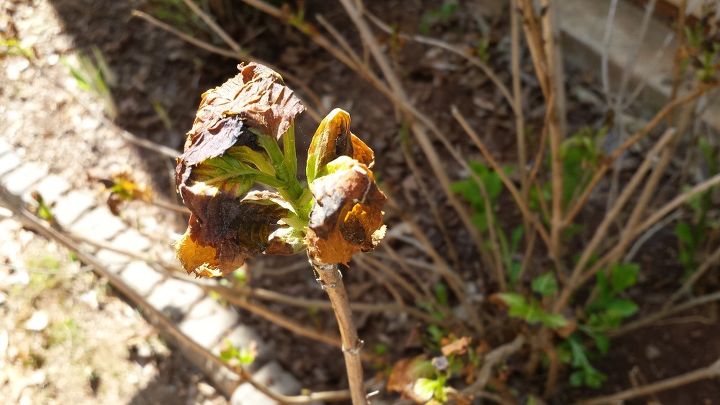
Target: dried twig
{"points": [[663, 313], [632, 140], [601, 230], [706, 265], [503, 177], [492, 359], [711, 371], [487, 69], [235, 53]]}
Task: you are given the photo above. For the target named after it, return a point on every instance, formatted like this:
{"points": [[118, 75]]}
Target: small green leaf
{"points": [[553, 321], [621, 308], [545, 284], [512, 299], [624, 276], [441, 294], [602, 342], [684, 233]]}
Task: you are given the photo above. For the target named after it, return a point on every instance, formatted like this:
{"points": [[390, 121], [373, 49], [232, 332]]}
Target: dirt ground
{"points": [[153, 91]]}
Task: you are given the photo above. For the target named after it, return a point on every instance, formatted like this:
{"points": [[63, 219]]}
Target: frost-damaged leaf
{"points": [[226, 231], [222, 161], [333, 139], [347, 215], [256, 98], [406, 372]]}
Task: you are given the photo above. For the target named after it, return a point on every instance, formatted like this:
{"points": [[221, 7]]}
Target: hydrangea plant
{"points": [[238, 176]]}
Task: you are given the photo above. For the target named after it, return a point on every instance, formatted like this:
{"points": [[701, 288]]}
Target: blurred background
{"points": [[492, 285]]}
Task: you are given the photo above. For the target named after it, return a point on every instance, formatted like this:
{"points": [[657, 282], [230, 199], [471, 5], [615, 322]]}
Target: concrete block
{"points": [[130, 240], [52, 187], [141, 277], [69, 208], [99, 223], [207, 322], [9, 162], [175, 297], [23, 177]]}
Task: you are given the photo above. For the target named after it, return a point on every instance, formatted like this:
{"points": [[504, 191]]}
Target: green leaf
{"points": [[512, 300], [553, 321], [545, 284], [624, 276], [602, 342], [441, 294], [621, 308], [684, 233]]}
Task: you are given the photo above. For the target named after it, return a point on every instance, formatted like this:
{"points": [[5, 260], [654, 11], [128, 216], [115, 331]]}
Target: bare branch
{"points": [[711, 371]]}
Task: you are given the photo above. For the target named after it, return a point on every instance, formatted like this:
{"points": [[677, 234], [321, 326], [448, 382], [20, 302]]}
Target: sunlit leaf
{"points": [[347, 215]]}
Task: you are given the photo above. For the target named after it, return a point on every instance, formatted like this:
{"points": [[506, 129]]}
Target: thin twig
{"points": [[487, 69], [501, 173], [517, 98], [664, 313], [632, 140], [545, 61], [235, 54], [711, 371], [180, 209], [602, 229], [331, 280], [425, 193], [706, 265], [492, 359]]}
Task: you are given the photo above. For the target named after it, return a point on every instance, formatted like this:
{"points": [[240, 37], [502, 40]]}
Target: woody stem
{"points": [[330, 278]]}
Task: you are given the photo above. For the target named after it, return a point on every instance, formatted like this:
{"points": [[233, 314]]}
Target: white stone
{"points": [[37, 322]]}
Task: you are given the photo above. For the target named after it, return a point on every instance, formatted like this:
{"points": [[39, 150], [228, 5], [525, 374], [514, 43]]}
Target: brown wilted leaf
{"points": [[457, 346], [347, 216], [255, 98], [226, 231], [257, 95], [226, 225]]}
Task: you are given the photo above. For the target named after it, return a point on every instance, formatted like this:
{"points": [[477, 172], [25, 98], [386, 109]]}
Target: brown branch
{"points": [[330, 278], [711, 371]]}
